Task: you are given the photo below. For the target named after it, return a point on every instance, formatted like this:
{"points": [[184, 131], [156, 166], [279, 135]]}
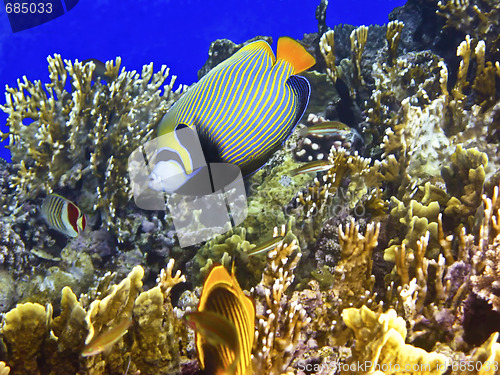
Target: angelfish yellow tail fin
{"points": [[295, 54]]}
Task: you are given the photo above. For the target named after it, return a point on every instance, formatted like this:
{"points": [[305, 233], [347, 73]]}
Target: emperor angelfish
{"points": [[242, 111], [63, 215]]}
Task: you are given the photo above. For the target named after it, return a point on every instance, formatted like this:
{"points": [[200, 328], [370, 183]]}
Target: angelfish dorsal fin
{"points": [[295, 54]]}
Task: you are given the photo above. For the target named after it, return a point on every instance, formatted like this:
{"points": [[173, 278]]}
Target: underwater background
{"points": [[359, 233], [172, 33]]}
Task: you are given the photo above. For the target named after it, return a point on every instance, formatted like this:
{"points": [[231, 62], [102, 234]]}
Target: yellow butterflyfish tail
{"points": [[295, 54]]}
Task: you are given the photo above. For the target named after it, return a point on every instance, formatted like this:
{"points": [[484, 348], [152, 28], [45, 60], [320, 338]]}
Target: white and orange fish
{"points": [[63, 215]]}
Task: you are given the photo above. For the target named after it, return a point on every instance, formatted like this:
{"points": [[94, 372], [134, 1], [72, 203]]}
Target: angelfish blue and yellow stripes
{"points": [[243, 109]]}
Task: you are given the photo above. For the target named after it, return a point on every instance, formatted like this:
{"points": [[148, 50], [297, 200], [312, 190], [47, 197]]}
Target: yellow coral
{"points": [[327, 48], [4, 369], [279, 329], [83, 137], [380, 343], [24, 331], [353, 272], [358, 41], [393, 34]]}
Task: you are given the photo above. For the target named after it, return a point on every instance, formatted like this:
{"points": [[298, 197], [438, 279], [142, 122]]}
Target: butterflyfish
{"points": [[106, 340], [241, 111], [223, 296], [216, 331], [314, 166], [63, 215]]}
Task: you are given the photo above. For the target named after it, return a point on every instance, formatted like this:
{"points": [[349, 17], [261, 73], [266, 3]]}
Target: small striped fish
{"points": [[63, 215], [326, 128], [266, 246], [242, 110], [223, 296], [314, 166], [106, 340]]}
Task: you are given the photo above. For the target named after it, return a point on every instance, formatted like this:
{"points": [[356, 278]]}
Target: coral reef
{"points": [[80, 140], [380, 342], [280, 320], [390, 256], [151, 344]]}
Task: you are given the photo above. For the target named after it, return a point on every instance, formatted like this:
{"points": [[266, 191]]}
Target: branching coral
{"points": [[416, 219], [351, 284], [358, 41], [440, 317], [280, 319], [464, 178], [327, 47], [314, 201], [432, 293], [393, 34], [479, 18], [80, 140], [486, 283], [157, 334], [356, 260]]}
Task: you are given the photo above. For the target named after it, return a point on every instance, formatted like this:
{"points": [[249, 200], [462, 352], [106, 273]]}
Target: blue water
{"points": [[175, 33]]}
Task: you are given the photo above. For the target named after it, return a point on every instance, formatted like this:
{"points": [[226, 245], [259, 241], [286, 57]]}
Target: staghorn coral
{"points": [[356, 260], [393, 34], [358, 41], [479, 18], [486, 283], [80, 140], [327, 47], [280, 319], [351, 284], [431, 302]]}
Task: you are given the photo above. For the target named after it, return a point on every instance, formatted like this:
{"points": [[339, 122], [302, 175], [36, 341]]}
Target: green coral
{"points": [[464, 178], [416, 219]]}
